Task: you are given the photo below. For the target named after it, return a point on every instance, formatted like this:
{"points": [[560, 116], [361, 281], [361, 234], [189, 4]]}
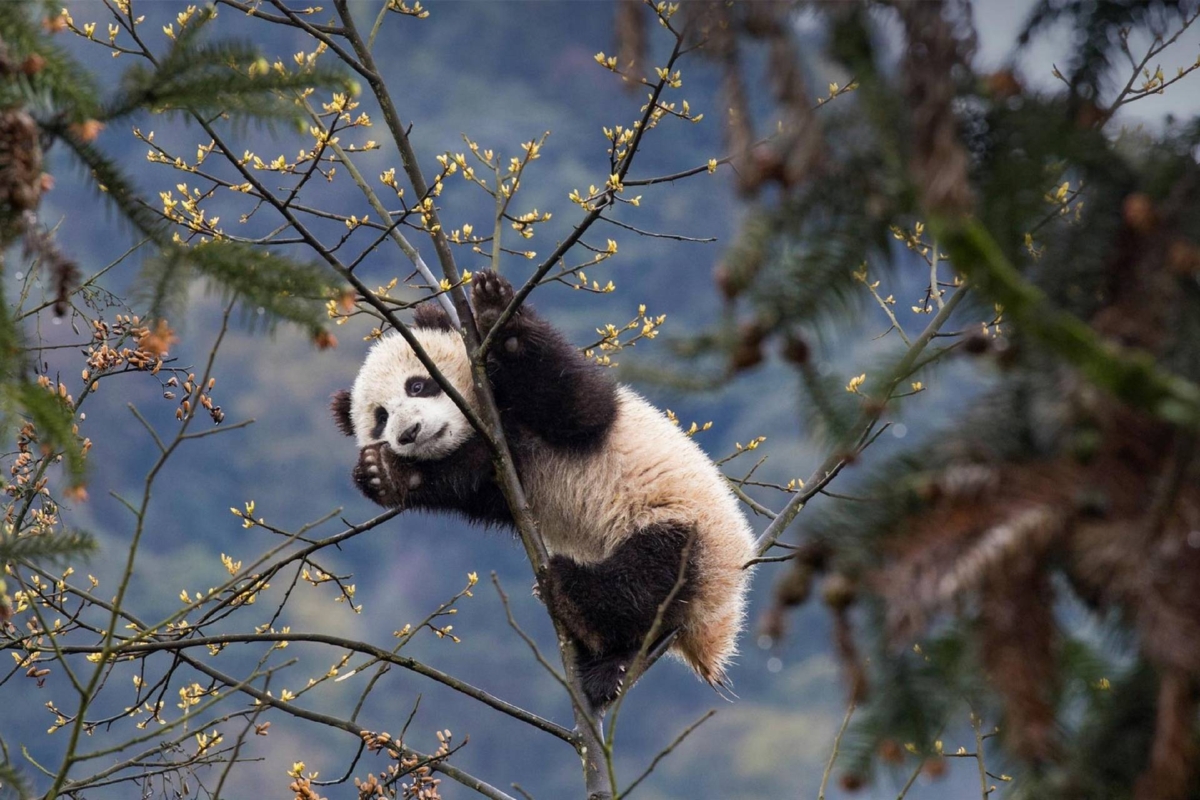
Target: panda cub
{"points": [[620, 494]]}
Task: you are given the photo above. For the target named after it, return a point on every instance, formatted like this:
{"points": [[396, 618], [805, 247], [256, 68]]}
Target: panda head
{"points": [[395, 401]]}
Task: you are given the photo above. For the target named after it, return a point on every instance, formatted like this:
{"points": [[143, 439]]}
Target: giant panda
{"points": [[619, 492]]}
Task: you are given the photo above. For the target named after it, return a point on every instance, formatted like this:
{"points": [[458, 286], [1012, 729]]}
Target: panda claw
{"points": [[414, 480], [376, 482]]}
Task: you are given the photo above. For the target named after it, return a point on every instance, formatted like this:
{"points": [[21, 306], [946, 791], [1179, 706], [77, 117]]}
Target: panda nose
{"points": [[410, 435]]}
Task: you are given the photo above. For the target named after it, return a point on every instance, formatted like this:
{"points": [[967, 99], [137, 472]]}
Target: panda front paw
{"points": [[383, 478], [491, 294], [369, 473]]}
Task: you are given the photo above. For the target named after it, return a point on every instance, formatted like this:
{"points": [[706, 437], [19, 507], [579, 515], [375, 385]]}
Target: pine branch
{"points": [[209, 79], [206, 78], [46, 548], [284, 288], [1098, 25], [113, 183], [11, 349], [69, 87], [12, 783], [1131, 375]]}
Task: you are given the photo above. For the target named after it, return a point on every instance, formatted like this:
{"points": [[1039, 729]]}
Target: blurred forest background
{"points": [[741, 346]]}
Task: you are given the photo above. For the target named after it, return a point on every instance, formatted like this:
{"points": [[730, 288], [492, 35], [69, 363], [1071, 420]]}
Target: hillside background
{"points": [[501, 72]]}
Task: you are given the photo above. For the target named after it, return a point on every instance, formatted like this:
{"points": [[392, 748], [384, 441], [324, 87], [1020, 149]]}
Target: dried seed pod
{"points": [[838, 591], [795, 586], [1183, 258], [1138, 212], [852, 781], [1003, 84], [20, 165], [976, 343], [773, 623], [891, 752], [796, 349], [746, 355]]}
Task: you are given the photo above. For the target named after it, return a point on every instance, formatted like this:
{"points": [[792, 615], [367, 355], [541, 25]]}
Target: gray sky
{"points": [[998, 23]]}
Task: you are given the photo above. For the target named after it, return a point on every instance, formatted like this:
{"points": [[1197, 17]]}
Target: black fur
{"points": [[341, 411], [422, 387], [545, 388], [541, 381], [610, 607], [381, 417], [430, 314], [461, 482]]}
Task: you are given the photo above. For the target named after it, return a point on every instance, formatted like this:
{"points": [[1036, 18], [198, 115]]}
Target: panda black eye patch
{"points": [[422, 387], [381, 417]]}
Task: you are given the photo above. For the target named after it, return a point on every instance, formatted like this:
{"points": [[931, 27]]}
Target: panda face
{"points": [[396, 402]]}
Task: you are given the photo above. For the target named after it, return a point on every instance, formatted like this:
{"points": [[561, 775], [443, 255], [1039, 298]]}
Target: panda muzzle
{"points": [[410, 434]]}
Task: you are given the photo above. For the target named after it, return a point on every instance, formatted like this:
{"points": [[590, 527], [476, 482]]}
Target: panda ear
{"points": [[341, 412], [432, 316]]}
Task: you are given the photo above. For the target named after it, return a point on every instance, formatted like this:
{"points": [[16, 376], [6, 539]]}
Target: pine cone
{"points": [[20, 166]]}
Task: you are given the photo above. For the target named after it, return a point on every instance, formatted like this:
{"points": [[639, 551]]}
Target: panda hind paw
{"points": [[603, 678]]}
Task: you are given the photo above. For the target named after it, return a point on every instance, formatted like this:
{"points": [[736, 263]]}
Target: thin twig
{"points": [[666, 751], [672, 236], [837, 743]]}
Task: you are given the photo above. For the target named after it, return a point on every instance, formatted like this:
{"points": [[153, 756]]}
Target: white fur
{"points": [[586, 505], [651, 473], [381, 382]]}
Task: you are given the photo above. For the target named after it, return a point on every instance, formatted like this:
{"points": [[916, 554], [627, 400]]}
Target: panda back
{"points": [[647, 472]]}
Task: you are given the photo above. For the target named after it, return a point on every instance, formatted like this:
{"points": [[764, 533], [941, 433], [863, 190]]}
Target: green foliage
{"points": [[1133, 376], [1020, 150], [1088, 245], [46, 548], [287, 290], [831, 411], [818, 236], [1097, 25], [1115, 735], [227, 78], [923, 695], [283, 288], [62, 86], [11, 352], [12, 783], [112, 182]]}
